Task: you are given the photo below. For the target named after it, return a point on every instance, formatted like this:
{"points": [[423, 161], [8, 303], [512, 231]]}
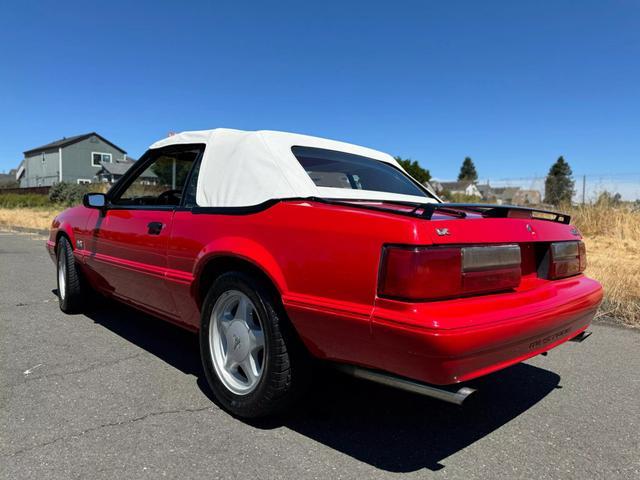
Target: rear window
{"points": [[329, 168]]}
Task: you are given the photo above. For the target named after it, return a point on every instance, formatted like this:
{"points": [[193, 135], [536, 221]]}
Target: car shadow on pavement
{"points": [[384, 427]]}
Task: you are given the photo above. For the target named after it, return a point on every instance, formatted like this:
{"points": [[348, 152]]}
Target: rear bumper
{"points": [[449, 342]]}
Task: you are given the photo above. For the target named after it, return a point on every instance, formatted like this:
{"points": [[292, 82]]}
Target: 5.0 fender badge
{"points": [[443, 231]]}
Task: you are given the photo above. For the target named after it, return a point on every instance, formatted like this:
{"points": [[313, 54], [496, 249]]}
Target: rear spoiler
{"points": [[493, 211], [460, 210]]}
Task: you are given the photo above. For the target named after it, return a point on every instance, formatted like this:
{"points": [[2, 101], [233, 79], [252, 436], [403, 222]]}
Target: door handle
{"points": [[154, 228]]}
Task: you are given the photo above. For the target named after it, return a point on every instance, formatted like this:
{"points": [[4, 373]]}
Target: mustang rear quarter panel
{"points": [[323, 259]]}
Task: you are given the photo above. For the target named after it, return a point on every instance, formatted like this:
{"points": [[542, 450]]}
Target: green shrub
{"points": [[62, 194], [67, 193], [75, 194], [57, 192]]}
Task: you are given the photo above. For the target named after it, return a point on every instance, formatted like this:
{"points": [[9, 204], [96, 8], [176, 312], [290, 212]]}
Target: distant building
{"points": [[456, 188], [434, 185], [489, 194], [8, 179], [75, 159], [527, 197], [504, 195], [112, 172], [486, 191]]}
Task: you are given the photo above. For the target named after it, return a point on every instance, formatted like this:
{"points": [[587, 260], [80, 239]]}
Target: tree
{"points": [[414, 169], [67, 193], [608, 199], [468, 171], [170, 171], [558, 187]]}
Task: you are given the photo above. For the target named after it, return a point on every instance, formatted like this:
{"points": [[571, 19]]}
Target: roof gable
{"points": [[456, 185], [120, 168], [66, 141]]}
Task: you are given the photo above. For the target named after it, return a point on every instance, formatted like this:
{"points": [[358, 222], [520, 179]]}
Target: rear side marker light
{"points": [[428, 273], [567, 259]]}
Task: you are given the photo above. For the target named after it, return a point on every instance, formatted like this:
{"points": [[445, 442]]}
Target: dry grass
{"points": [[39, 218], [612, 236]]}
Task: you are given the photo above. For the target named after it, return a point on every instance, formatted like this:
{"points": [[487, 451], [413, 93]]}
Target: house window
{"points": [[83, 181], [98, 157]]}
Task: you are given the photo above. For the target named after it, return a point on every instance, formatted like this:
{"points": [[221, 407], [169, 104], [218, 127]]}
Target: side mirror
{"points": [[94, 200]]}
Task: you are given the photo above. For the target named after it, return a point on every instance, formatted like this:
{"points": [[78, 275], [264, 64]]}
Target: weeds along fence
{"points": [[60, 194], [612, 235], [24, 200], [25, 191]]}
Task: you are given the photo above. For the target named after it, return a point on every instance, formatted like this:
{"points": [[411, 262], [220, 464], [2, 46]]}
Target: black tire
{"points": [[286, 364], [70, 294]]}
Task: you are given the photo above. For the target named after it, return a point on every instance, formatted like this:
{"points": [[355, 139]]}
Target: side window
{"points": [[161, 183], [97, 158]]}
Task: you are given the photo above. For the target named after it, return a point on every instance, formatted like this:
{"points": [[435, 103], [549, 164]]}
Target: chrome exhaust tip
{"points": [[457, 396], [581, 337]]}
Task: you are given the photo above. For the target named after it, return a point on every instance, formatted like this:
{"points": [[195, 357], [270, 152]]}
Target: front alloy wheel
{"points": [[62, 276], [70, 282]]}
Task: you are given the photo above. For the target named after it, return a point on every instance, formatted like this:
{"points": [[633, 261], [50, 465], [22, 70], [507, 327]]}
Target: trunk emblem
{"points": [[442, 231], [530, 230]]}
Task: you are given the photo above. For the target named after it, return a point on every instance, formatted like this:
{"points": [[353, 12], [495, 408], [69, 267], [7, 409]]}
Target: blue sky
{"points": [[511, 84]]}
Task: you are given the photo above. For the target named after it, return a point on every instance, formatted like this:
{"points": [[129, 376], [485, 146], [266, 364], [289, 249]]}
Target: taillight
{"points": [[567, 259], [427, 273], [491, 268]]}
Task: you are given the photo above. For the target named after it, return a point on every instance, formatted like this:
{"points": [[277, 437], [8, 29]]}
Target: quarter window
{"points": [[97, 158], [329, 168]]}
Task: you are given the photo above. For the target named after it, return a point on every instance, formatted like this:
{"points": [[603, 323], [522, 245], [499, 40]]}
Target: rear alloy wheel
{"points": [[236, 342], [252, 358], [69, 279]]}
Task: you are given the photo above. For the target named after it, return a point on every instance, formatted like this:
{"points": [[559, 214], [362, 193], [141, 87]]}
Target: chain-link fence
{"points": [[587, 188]]}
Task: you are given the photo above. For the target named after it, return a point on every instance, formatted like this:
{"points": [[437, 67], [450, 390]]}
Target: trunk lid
{"points": [[456, 223]]}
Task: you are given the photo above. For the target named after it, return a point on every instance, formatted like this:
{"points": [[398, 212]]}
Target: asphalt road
{"points": [[118, 394]]}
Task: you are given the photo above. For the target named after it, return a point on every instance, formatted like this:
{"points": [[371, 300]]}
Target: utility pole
{"points": [[584, 183]]}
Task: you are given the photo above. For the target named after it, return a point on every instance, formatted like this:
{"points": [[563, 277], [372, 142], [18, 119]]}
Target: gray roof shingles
{"points": [[120, 168], [63, 142]]}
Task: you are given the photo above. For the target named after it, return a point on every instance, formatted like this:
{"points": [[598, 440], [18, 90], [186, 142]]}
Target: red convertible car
{"points": [[281, 248]]}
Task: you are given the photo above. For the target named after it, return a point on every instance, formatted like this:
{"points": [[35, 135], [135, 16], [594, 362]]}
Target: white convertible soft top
{"points": [[243, 168]]}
